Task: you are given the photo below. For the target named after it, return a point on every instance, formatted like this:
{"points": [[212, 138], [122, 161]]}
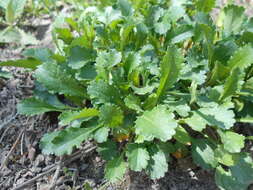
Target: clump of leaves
{"points": [[144, 79], [13, 10]]}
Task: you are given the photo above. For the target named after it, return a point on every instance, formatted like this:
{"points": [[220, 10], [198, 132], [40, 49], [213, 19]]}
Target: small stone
{"points": [[98, 159], [36, 169], [39, 160], [31, 153], [48, 160]]}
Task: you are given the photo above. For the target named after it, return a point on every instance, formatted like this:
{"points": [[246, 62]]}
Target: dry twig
{"points": [[8, 121], [11, 150], [56, 175], [57, 165]]}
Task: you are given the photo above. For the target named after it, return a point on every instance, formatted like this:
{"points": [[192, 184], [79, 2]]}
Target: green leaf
{"points": [[101, 92], [29, 63], [224, 157], [219, 116], [10, 35], [224, 49], [133, 102], [225, 181], [111, 115], [170, 68], [46, 142], [101, 134], [205, 5], [233, 20], [115, 169], [15, 35], [176, 12], [233, 84], [109, 15], [66, 140], [144, 90], [108, 150], [87, 72], [41, 54], [218, 73], [181, 34], [41, 93], [182, 136], [196, 122], [68, 116], [233, 142], [239, 176], [33, 106], [133, 60], [158, 123], [180, 106], [243, 170], [203, 154], [79, 56], [209, 36], [57, 78], [242, 58], [5, 74], [107, 60], [10, 13], [164, 17], [163, 26], [125, 7], [158, 165], [138, 156], [14, 10], [27, 38], [64, 34], [4, 4]]}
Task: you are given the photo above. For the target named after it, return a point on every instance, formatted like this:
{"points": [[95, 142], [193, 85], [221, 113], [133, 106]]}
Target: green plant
{"points": [[13, 34], [5, 74], [145, 78]]}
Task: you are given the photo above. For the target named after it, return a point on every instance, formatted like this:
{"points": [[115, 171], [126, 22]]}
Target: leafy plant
{"points": [[13, 34], [149, 78], [5, 74]]}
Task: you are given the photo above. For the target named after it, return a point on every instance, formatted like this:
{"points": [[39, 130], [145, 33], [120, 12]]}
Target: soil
{"points": [[21, 158]]}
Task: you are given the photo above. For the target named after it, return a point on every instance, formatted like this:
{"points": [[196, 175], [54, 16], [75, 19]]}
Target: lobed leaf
{"points": [[242, 58], [115, 169], [205, 5], [59, 79], [233, 19], [108, 150], [170, 68], [203, 154], [138, 156], [232, 85], [158, 123], [158, 165], [63, 142], [233, 142], [111, 115]]}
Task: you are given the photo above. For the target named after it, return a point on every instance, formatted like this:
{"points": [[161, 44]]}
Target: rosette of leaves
{"points": [[143, 78]]}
